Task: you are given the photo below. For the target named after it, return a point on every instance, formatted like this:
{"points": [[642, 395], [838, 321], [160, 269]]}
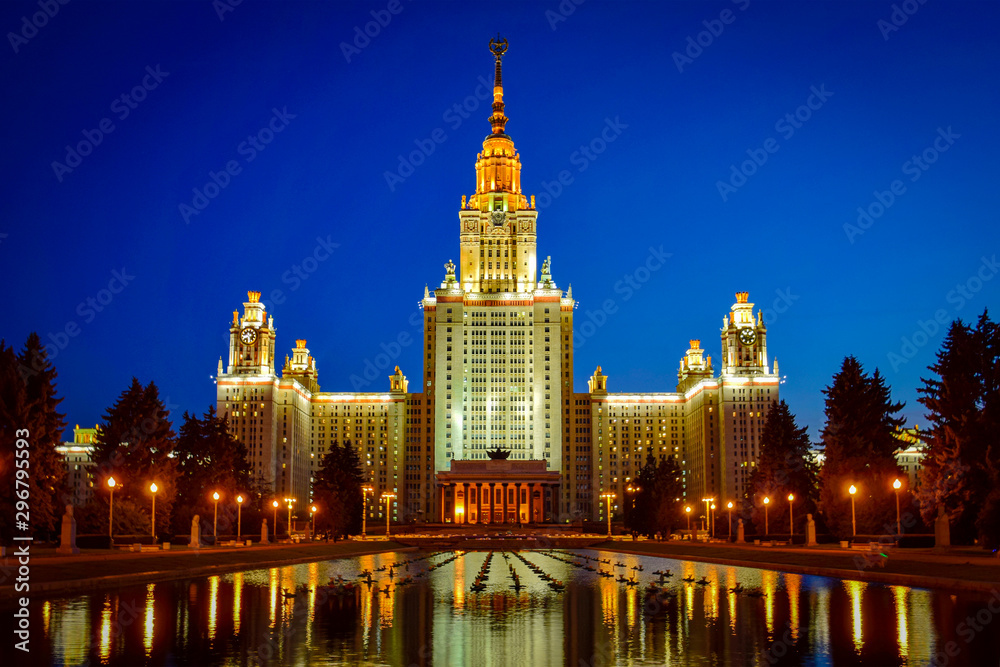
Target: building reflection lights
{"points": [[854, 589], [273, 580], [104, 649], [769, 581], [899, 597], [147, 638], [213, 605], [237, 601], [793, 584]]}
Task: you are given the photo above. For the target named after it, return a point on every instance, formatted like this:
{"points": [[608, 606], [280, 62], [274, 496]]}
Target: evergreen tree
{"points": [[337, 490], [658, 500], [859, 442], [134, 444], [784, 466], [639, 517], [961, 468], [28, 403], [209, 459]]}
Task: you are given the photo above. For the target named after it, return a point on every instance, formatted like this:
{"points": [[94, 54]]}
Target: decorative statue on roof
{"points": [[498, 454], [450, 268]]}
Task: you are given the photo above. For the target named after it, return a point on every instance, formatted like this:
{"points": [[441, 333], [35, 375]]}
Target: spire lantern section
{"points": [[497, 223]]}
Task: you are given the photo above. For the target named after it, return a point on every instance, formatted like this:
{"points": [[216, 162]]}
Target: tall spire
{"points": [[498, 47]]}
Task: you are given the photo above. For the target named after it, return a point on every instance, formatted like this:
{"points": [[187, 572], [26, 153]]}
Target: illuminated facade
{"points": [[498, 377], [80, 467]]}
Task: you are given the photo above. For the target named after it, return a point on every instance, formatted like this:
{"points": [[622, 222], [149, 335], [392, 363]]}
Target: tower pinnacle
{"points": [[498, 47]]}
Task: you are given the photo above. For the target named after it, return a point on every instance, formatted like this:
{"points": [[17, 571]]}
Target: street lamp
{"points": [[365, 490], [608, 497], [215, 521], [895, 485], [713, 520], [767, 501], [275, 529], [239, 516], [633, 490], [688, 511], [729, 505], [708, 513], [289, 501], [152, 489], [791, 518], [111, 510], [387, 496], [854, 525], [312, 513]]}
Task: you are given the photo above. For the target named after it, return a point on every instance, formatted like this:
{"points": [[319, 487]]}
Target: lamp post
{"points": [[152, 489], [895, 486], [215, 521], [365, 490], [111, 511], [713, 520], [708, 513], [767, 501], [289, 501], [854, 525], [608, 497], [632, 491], [729, 506], [239, 517], [312, 515], [791, 519], [274, 504], [687, 511], [387, 496]]}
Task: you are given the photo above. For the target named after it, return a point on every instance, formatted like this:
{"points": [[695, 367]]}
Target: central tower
{"points": [[498, 336]]}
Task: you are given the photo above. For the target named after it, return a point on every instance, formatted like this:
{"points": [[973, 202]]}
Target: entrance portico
{"points": [[497, 491]]}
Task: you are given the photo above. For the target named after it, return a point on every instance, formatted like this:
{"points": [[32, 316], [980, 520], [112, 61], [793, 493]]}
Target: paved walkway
{"points": [[95, 569], [959, 569]]}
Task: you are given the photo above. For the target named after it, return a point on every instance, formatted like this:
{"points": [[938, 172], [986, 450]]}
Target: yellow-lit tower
{"points": [[498, 336]]}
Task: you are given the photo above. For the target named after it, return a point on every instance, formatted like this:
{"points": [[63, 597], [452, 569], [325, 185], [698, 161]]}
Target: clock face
{"points": [[248, 335], [748, 336]]}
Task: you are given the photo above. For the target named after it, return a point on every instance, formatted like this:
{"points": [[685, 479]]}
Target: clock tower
{"points": [[744, 340], [251, 340]]}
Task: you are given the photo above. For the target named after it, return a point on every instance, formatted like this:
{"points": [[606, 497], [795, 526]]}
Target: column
{"points": [[517, 492], [479, 502], [442, 503], [465, 502], [531, 502], [504, 502], [492, 517], [556, 502]]}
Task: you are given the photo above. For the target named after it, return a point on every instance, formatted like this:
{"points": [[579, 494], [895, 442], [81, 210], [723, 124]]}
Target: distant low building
{"points": [[910, 455], [77, 456]]}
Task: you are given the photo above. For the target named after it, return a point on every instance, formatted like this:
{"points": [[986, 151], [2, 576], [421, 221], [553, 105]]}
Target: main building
{"points": [[496, 433]]}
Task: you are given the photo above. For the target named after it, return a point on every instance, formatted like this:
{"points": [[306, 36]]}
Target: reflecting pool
{"points": [[559, 610]]}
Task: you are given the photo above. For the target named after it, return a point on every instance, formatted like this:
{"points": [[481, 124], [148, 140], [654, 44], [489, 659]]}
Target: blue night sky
{"points": [[678, 123]]}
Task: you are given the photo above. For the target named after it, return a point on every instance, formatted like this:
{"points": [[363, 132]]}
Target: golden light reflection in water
{"points": [[688, 571], [902, 629], [459, 566], [921, 625], [237, 601], [46, 616], [609, 601], [273, 582], [793, 584], [213, 605], [147, 639], [313, 584], [712, 594], [104, 650], [769, 582], [731, 596], [854, 589], [631, 606]]}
